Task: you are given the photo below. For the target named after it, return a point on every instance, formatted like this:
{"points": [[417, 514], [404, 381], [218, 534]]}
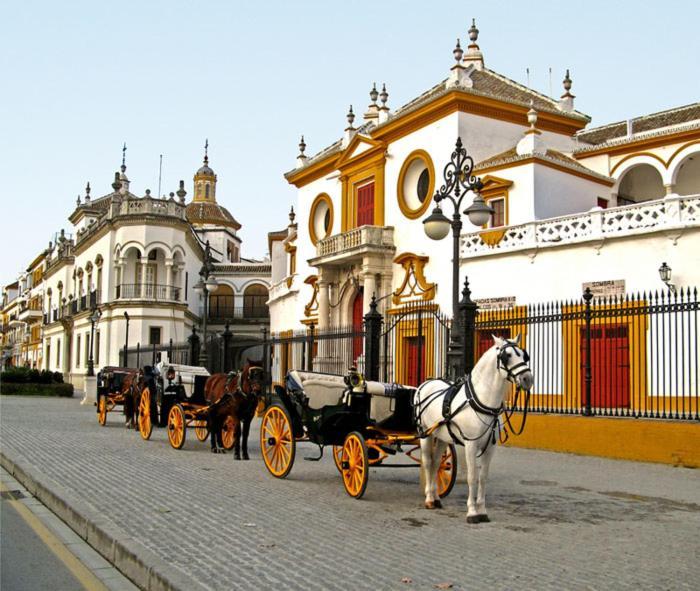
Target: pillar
{"points": [[323, 305]]}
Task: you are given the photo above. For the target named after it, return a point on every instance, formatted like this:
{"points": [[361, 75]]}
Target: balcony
{"points": [[77, 305], [29, 314], [671, 215], [147, 291], [352, 246]]}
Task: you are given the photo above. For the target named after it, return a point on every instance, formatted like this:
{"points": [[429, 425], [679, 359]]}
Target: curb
{"points": [[136, 562]]}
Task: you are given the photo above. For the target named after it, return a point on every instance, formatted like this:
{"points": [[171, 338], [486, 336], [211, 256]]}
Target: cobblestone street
{"points": [[558, 521]]}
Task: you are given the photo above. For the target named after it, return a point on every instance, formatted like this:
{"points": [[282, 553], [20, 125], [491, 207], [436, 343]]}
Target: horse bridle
{"points": [[513, 372]]}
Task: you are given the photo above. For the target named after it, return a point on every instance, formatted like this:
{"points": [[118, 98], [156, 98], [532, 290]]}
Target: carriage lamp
{"points": [[458, 181], [665, 274]]}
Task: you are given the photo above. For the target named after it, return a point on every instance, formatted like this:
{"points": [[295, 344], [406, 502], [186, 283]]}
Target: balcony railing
{"points": [[651, 216], [343, 248], [73, 307], [225, 308], [148, 291]]}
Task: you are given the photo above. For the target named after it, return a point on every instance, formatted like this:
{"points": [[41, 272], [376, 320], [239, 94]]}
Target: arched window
{"points": [[206, 191], [640, 183], [688, 176], [255, 302]]}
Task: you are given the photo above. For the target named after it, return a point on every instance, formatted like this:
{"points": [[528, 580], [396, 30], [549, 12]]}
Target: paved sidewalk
{"points": [[558, 521]]}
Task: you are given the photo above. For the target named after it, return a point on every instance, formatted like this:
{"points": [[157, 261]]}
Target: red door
{"points": [[365, 205], [357, 323], [609, 366], [485, 340], [414, 345]]}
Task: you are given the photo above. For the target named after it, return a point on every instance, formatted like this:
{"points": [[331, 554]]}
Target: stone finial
{"points": [[459, 74], [532, 116], [181, 192], [77, 201], [351, 118], [350, 131], [384, 97], [292, 216], [302, 158], [458, 52], [474, 56], [148, 194], [171, 196], [531, 143], [373, 94], [87, 194], [116, 185], [566, 103], [372, 113]]}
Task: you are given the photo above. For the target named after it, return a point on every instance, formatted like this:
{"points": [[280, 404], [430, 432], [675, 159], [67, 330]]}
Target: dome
{"points": [[205, 170], [203, 212]]}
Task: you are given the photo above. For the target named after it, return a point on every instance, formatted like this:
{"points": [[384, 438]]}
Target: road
{"points": [[558, 521], [38, 551]]}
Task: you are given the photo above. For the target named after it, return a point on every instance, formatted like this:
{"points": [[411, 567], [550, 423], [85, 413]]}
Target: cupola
{"points": [[205, 180]]}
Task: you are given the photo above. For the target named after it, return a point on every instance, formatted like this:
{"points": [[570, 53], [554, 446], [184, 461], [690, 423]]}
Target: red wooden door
{"points": [[357, 323], [609, 366], [413, 345], [485, 340], [365, 205]]}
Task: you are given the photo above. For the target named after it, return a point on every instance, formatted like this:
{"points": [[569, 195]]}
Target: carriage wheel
{"points": [[145, 423], [338, 457], [355, 465], [201, 430], [228, 432], [277, 442], [177, 426], [447, 472], [102, 410]]}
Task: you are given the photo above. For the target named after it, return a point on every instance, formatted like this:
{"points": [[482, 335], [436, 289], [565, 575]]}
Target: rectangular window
{"points": [[365, 205], [77, 351], [154, 335], [498, 217]]}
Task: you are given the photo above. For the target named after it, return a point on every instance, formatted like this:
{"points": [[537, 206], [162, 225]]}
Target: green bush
{"points": [[23, 375], [63, 390]]}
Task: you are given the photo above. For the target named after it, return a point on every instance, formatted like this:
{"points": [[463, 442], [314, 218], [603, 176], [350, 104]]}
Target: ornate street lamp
{"points": [[459, 180], [94, 318], [207, 284]]}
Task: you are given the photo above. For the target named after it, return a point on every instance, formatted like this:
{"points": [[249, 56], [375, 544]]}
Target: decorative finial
{"points": [[567, 85], [458, 52], [87, 191], [373, 94], [181, 192], [116, 185], [124, 158], [148, 193], [206, 151], [473, 32], [292, 215], [532, 115], [302, 148], [77, 201], [351, 117], [384, 96]]}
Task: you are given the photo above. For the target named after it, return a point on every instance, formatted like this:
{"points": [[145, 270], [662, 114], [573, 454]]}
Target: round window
{"points": [[416, 183], [321, 218]]}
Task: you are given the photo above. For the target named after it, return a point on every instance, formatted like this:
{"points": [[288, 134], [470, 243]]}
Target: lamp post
{"points": [[207, 284], [459, 180], [126, 339], [94, 318]]}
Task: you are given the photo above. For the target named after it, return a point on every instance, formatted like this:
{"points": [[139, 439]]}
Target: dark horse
{"points": [[252, 379], [131, 394]]}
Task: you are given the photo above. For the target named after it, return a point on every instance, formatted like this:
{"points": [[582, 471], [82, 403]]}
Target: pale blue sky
{"points": [[80, 78]]}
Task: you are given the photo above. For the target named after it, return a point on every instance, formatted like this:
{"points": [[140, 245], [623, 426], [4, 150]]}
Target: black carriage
{"points": [[111, 392], [363, 421]]}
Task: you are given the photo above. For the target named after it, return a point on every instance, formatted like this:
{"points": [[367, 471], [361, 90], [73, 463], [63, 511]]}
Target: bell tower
{"points": [[205, 180]]}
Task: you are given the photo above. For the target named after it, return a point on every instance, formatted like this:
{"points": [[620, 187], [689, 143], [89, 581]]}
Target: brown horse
{"points": [[131, 394], [222, 393], [252, 381]]}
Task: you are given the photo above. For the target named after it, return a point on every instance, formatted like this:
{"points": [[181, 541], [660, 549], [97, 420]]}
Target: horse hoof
{"points": [[430, 505], [237, 457], [484, 518], [245, 457], [473, 519], [438, 504]]}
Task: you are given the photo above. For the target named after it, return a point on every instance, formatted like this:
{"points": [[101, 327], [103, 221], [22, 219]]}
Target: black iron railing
{"points": [[147, 291], [230, 307]]}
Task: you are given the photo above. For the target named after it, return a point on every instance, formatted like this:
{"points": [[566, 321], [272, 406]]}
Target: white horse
{"points": [[472, 419]]}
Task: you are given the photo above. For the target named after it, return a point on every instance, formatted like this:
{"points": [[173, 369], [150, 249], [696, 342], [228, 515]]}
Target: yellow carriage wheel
{"points": [[228, 432], [338, 457], [102, 410], [354, 465], [177, 427], [201, 430], [145, 423], [447, 472], [277, 441]]}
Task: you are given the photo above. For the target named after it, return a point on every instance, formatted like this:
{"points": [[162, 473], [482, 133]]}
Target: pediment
{"points": [[360, 145], [494, 184]]}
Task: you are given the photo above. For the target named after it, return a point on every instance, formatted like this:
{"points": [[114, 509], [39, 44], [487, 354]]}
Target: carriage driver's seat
{"points": [[320, 388]]}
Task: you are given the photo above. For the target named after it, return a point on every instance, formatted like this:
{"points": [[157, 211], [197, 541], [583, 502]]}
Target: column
{"points": [[323, 305], [144, 269], [370, 289], [169, 279]]}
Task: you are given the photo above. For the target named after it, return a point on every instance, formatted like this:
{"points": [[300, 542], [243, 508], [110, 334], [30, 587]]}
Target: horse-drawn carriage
{"points": [[364, 422], [116, 387]]}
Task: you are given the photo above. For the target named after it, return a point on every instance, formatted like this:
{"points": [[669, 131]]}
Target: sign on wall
{"points": [[612, 287], [503, 303]]}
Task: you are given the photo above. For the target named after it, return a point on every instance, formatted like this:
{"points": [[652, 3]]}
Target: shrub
{"points": [[26, 389], [23, 375]]}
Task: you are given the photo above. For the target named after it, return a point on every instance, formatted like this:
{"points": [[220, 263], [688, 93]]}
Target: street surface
{"points": [[38, 551], [558, 521]]}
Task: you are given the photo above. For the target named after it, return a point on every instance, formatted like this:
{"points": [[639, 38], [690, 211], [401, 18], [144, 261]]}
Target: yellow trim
{"points": [[311, 309], [414, 266], [493, 237], [666, 164], [643, 143], [308, 174], [292, 251], [548, 164], [413, 214], [672, 442], [321, 198], [406, 329]]}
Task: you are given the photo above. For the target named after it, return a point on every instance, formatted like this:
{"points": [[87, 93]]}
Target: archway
{"points": [[688, 175], [222, 304], [255, 302], [640, 183]]}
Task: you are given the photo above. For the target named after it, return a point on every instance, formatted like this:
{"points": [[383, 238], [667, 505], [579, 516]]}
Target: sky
{"points": [[81, 78]]}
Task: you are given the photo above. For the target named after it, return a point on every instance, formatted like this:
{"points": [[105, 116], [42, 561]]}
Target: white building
{"points": [[571, 205], [138, 257]]}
